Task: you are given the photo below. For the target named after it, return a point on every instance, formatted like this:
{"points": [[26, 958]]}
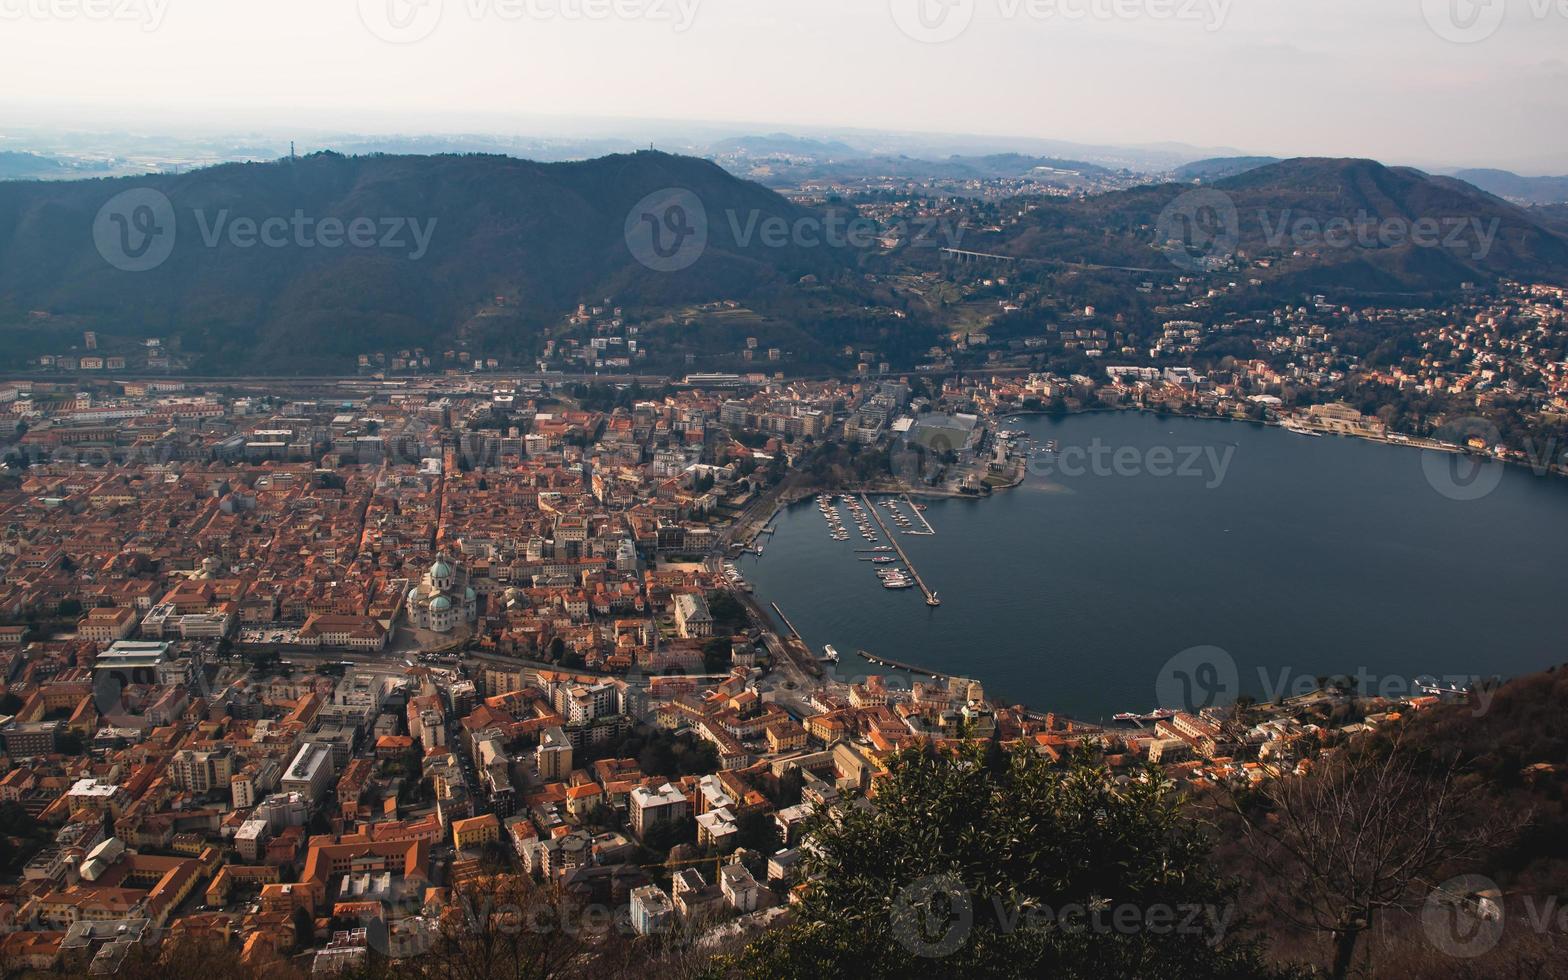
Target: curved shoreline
{"points": [[798, 494], [1405, 440]]}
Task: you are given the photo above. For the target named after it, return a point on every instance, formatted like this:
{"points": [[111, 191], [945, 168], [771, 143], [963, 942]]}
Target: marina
{"points": [[919, 511], [872, 528], [733, 576], [1036, 583], [931, 597]]}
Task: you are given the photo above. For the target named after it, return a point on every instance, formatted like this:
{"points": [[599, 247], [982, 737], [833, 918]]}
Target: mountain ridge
{"points": [[540, 238], [1284, 209]]}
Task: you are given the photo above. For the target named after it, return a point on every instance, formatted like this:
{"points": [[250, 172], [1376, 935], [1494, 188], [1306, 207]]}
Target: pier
{"points": [[896, 665], [788, 650], [931, 599], [920, 515], [785, 619]]}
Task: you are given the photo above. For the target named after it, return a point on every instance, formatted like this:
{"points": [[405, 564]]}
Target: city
{"points": [[291, 661], [709, 490]]}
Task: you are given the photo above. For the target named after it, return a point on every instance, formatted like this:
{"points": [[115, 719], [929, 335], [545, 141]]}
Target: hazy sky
{"points": [[1427, 82]]}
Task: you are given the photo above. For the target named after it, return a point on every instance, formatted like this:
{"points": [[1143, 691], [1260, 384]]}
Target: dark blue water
{"points": [[1300, 557]]}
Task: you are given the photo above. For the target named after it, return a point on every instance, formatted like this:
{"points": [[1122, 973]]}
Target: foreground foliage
{"points": [[983, 864]]}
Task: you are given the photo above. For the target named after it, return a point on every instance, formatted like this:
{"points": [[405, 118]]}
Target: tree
{"points": [[185, 958], [716, 654], [961, 870], [1356, 838], [503, 927], [304, 929]]}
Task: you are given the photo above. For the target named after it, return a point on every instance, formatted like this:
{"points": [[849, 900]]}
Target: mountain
{"points": [[510, 246], [1521, 190], [1220, 167], [1407, 232], [16, 165], [1476, 236]]}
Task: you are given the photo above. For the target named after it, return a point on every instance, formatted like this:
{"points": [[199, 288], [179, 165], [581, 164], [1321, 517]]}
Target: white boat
{"points": [[829, 654], [1300, 429], [1158, 714]]}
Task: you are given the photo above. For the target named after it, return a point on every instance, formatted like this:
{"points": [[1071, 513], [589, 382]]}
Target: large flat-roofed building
{"points": [[23, 740], [91, 796], [140, 662], [311, 772]]}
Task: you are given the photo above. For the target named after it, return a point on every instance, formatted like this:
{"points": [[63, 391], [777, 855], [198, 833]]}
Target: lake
{"points": [[1285, 557]]}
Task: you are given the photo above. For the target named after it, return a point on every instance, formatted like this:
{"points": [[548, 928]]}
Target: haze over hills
{"points": [[15, 165], [789, 171], [153, 149], [1217, 168], [784, 144], [1521, 190], [1283, 211]]}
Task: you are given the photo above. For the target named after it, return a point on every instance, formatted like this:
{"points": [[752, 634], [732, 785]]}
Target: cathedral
{"points": [[440, 602]]}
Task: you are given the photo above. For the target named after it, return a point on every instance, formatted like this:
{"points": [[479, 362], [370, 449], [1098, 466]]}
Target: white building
{"points": [[310, 773], [652, 911], [554, 755], [251, 840], [654, 808], [741, 891]]}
